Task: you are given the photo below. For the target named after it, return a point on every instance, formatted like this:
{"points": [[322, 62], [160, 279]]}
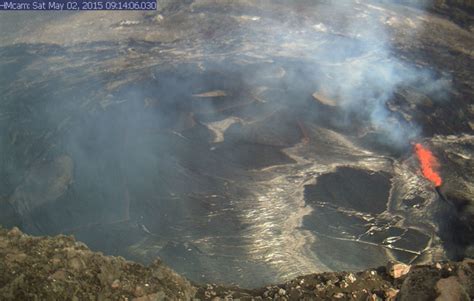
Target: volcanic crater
{"points": [[215, 136]]}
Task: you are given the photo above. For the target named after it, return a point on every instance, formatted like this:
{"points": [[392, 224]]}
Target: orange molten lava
{"points": [[428, 164]]}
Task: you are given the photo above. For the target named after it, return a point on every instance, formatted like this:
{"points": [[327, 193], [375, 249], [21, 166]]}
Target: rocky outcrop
{"points": [[440, 281], [60, 268], [466, 3], [439, 3], [458, 11]]}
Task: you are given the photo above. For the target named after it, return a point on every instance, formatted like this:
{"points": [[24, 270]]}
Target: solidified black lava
{"points": [[347, 217], [339, 198], [351, 188], [456, 226]]}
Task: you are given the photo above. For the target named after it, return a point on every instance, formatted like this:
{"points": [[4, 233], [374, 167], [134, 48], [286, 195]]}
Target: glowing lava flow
{"points": [[428, 164]]}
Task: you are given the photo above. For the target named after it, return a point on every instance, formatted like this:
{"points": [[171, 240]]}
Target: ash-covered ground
{"points": [[242, 142]]}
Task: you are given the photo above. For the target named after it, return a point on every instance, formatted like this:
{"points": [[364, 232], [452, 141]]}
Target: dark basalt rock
{"points": [[352, 189]]}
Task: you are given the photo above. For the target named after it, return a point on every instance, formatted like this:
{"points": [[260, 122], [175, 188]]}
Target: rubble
{"points": [[424, 282], [59, 268], [397, 270]]}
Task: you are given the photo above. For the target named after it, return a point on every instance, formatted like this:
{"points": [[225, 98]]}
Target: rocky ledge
{"points": [[60, 268]]}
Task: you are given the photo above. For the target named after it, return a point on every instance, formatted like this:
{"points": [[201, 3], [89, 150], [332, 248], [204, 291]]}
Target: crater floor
{"points": [[229, 139]]}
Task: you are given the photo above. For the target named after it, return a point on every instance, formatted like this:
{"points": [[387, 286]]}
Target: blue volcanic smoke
{"points": [[364, 78]]}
